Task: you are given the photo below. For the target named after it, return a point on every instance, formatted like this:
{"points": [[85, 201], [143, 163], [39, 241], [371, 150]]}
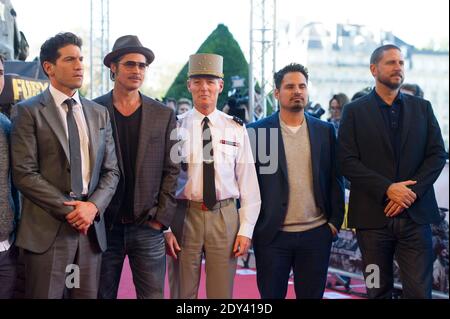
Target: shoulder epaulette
{"points": [[238, 120]]}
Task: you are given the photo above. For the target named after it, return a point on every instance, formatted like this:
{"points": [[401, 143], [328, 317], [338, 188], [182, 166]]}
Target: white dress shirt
{"points": [[59, 99], [235, 173]]}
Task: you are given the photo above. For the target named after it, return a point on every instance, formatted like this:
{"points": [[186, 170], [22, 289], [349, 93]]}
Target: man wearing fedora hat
{"points": [[144, 203], [217, 169]]}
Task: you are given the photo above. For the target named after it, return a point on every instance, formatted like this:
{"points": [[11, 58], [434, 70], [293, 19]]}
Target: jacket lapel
{"points": [[93, 129], [406, 123], [275, 123], [148, 117], [375, 114], [314, 141], [112, 116], [52, 116]]}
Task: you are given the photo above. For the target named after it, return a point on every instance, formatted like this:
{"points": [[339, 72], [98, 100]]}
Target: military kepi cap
{"points": [[206, 64]]}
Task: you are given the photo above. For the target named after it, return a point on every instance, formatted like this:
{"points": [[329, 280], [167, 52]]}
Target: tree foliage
{"points": [[221, 42]]}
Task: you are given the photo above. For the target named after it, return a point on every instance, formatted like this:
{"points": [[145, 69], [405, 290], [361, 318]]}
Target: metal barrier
{"points": [[397, 286]]}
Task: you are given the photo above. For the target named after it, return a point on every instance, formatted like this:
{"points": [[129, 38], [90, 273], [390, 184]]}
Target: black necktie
{"points": [[76, 179], [209, 186]]}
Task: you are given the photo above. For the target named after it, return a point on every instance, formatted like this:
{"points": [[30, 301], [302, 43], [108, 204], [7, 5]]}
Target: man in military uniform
{"points": [[217, 169]]}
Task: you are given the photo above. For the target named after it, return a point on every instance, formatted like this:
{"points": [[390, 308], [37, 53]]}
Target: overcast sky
{"points": [[173, 29]]}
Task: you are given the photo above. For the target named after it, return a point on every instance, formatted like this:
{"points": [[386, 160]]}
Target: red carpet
{"points": [[244, 286]]}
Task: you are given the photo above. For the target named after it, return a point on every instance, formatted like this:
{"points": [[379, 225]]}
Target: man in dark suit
{"points": [[301, 192], [144, 203], [65, 166], [391, 150]]}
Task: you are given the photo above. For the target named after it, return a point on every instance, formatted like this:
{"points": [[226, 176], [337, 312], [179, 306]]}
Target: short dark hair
{"points": [[170, 99], [341, 98], [361, 93], [49, 50], [378, 53], [293, 67], [413, 88]]}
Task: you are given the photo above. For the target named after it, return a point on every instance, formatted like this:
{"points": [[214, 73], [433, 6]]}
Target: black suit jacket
{"points": [[156, 174], [366, 158], [274, 188]]}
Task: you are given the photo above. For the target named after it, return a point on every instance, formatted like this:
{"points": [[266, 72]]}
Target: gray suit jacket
{"points": [[156, 174], [41, 168]]}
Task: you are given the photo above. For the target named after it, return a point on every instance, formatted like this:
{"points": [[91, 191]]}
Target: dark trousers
{"points": [[411, 244], [145, 248], [73, 258], [8, 272], [307, 253]]}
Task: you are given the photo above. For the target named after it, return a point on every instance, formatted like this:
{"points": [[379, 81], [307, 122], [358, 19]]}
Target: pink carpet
{"points": [[244, 286]]}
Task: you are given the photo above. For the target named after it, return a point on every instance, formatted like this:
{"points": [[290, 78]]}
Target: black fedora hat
{"points": [[128, 44]]}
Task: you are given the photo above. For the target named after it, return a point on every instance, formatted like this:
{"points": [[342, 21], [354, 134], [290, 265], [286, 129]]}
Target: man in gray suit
{"points": [[144, 203], [64, 164]]}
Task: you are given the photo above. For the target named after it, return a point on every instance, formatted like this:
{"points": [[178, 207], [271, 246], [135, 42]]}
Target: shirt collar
{"points": [[213, 116], [397, 101], [59, 97], [283, 124]]}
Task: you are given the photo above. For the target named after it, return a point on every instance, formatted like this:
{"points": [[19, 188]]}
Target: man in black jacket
{"points": [[391, 150], [302, 195], [144, 203]]}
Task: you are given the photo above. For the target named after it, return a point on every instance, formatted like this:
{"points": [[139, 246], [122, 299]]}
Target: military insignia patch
{"points": [[236, 144]]}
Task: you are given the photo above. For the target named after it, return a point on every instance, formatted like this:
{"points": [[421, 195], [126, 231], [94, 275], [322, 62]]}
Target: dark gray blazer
{"points": [[156, 174], [41, 168]]}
